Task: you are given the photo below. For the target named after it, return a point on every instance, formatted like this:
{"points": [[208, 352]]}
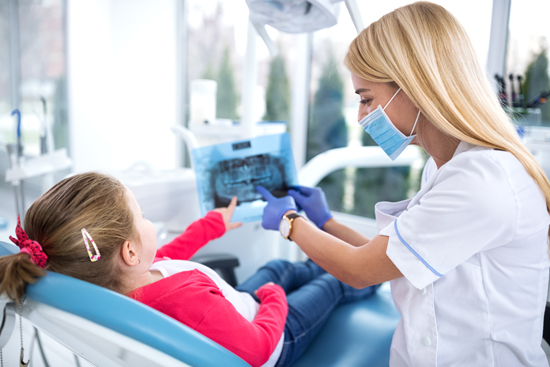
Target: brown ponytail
{"points": [[91, 200], [16, 271]]}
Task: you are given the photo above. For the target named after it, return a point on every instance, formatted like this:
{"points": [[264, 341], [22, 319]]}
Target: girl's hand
{"points": [[268, 283], [227, 213]]}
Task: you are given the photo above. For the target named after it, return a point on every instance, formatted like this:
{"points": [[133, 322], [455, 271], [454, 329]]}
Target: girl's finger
{"points": [[231, 226], [232, 204]]}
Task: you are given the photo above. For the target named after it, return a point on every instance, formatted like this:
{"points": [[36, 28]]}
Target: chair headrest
{"points": [[125, 316]]}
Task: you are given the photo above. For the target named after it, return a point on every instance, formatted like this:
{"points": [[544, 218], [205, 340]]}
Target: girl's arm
{"points": [[193, 299], [252, 341], [198, 234], [214, 224]]}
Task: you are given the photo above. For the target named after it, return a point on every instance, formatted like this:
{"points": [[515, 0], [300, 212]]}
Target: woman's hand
{"points": [[313, 202], [227, 213], [275, 209]]}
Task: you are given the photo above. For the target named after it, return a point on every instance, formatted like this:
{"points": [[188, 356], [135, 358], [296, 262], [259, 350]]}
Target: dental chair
{"points": [[109, 329]]}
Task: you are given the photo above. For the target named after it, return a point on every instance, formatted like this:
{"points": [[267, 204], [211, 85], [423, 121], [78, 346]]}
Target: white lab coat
{"points": [[472, 246]]}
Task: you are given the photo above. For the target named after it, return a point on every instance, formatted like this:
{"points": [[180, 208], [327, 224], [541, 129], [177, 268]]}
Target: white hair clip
{"points": [[87, 236]]}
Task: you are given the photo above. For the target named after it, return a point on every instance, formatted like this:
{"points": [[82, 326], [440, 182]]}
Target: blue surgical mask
{"points": [[379, 126]]}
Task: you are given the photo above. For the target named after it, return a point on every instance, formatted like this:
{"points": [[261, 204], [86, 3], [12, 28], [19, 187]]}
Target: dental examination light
{"points": [[299, 16], [187, 136]]}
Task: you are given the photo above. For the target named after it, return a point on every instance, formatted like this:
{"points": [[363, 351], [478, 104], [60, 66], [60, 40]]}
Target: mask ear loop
{"points": [[392, 98], [417, 116]]}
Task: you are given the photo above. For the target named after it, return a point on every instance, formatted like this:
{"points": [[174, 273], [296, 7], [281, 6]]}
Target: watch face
{"points": [[284, 227]]}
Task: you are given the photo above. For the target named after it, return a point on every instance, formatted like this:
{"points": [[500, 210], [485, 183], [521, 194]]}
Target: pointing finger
{"points": [[232, 204], [234, 225], [265, 193]]}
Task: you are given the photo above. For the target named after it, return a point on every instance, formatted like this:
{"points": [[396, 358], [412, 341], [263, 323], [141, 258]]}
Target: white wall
{"points": [[122, 82]]}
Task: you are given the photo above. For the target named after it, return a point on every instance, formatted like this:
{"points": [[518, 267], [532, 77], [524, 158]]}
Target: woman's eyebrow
{"points": [[361, 90]]}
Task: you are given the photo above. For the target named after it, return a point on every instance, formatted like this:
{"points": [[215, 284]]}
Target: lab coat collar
{"points": [[462, 147]]}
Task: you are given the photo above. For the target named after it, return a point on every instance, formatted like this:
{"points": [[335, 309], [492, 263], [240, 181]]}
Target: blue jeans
{"points": [[312, 295]]}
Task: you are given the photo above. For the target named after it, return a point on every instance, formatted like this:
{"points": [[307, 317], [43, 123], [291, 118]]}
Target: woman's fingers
{"points": [[298, 197], [265, 193], [304, 190]]}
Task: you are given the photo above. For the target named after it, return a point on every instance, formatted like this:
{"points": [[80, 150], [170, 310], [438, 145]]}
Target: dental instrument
{"points": [[21, 169]]}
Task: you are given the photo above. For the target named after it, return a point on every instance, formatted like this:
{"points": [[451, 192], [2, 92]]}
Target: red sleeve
{"points": [[195, 300], [198, 234], [252, 341]]}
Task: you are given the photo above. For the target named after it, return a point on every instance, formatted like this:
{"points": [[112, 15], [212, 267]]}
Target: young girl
{"points": [[90, 227]]}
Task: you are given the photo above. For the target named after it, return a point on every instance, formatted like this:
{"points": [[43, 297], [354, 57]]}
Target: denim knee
{"points": [[277, 265]]}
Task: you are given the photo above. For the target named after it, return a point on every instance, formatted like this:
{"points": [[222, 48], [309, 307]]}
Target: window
{"points": [[333, 108], [527, 61], [40, 83]]}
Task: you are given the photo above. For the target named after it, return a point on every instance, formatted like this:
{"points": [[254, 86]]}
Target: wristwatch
{"points": [[285, 225]]}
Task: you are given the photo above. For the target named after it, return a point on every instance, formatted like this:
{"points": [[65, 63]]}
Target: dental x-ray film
{"points": [[236, 168]]}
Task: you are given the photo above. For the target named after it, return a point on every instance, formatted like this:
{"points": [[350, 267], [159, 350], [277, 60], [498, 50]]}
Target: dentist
{"points": [[467, 257]]}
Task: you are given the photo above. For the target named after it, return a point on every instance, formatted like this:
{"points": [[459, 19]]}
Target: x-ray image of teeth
{"points": [[239, 177], [237, 168]]}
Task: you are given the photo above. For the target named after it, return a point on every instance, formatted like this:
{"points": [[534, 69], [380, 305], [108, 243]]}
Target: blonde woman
{"points": [[467, 257]]}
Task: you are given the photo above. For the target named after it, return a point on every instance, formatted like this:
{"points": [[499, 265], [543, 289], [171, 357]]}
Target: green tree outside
{"points": [[227, 98], [327, 129], [277, 99], [373, 185], [537, 81]]}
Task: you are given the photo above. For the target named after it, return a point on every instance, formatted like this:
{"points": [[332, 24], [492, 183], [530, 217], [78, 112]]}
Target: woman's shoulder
{"points": [[497, 177], [492, 165]]}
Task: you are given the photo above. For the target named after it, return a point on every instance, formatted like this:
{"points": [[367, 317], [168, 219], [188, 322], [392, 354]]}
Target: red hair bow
{"points": [[29, 246]]}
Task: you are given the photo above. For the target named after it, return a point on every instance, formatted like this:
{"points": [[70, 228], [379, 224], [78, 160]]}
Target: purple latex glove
{"points": [[275, 209], [313, 202]]}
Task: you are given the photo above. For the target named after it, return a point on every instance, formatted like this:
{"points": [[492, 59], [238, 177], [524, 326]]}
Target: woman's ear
{"points": [[129, 254]]}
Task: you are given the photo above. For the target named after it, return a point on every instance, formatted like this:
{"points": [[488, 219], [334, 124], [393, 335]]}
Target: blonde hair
{"points": [[93, 201], [426, 51]]}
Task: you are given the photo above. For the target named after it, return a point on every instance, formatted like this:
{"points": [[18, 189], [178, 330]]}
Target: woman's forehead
{"points": [[363, 85]]}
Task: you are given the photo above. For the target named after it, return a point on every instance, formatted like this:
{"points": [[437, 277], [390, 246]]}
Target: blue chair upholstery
{"points": [[356, 334], [127, 317]]}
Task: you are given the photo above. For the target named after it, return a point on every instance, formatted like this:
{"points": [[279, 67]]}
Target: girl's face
{"points": [[146, 230], [401, 111]]}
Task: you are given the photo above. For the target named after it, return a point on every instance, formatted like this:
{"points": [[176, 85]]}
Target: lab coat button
{"points": [[423, 291], [426, 341]]}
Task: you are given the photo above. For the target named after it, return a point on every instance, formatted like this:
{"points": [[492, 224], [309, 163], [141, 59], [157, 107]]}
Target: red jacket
{"points": [[193, 298]]}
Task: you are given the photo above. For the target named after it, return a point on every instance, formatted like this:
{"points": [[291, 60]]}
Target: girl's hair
{"points": [[55, 220], [425, 50]]}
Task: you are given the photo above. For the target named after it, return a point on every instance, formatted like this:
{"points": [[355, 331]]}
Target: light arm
{"points": [[346, 234]]}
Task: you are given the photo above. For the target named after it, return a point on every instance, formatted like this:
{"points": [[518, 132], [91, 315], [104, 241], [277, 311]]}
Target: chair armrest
{"points": [[224, 264]]}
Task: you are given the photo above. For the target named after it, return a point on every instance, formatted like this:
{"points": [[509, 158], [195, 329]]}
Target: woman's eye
{"points": [[365, 101]]}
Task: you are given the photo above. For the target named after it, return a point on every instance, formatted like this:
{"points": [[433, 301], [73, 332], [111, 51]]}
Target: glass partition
{"points": [[41, 82], [527, 79], [333, 108]]}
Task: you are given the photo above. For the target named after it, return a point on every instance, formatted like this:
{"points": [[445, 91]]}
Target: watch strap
{"points": [[291, 218]]}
